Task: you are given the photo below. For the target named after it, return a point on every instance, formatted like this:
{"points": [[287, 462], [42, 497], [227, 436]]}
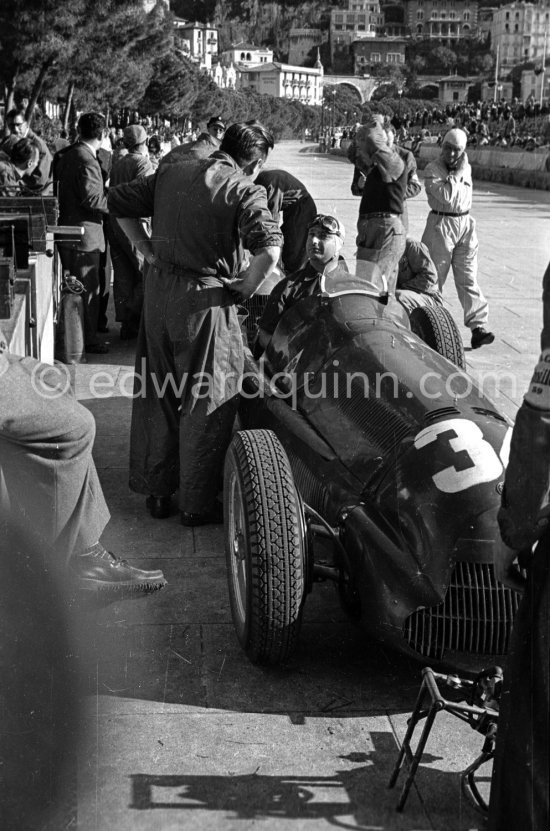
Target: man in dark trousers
{"points": [[82, 201], [289, 199], [520, 791], [380, 230], [127, 261], [189, 357]]}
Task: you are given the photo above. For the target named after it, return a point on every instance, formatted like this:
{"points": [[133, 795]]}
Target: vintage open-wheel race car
{"points": [[362, 435]]}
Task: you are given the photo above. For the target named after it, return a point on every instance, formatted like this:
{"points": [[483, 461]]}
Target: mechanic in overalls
{"points": [[189, 358], [380, 230], [289, 199], [450, 232], [520, 789]]}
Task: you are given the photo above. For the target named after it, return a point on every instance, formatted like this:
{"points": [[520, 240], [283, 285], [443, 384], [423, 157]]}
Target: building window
{"points": [[375, 57], [393, 57], [419, 29], [339, 27], [361, 27], [466, 15], [338, 18], [420, 15]]}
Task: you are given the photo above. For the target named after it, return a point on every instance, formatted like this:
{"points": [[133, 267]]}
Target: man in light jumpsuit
{"points": [[450, 232]]}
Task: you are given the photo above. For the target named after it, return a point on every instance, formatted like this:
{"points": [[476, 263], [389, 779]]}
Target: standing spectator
{"points": [[82, 201], [127, 261], [289, 199], [413, 182], [40, 180], [450, 232], [380, 230], [155, 151], [206, 144], [521, 787], [24, 158], [204, 213]]}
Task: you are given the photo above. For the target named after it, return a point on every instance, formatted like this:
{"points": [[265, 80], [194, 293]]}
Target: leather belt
{"points": [[444, 213], [381, 213]]}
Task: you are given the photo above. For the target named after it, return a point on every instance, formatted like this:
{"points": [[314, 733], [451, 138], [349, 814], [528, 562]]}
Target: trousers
{"points": [[85, 266], [381, 240], [50, 495], [189, 363], [452, 242]]}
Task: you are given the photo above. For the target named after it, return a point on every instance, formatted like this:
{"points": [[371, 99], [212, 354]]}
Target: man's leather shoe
{"points": [[99, 570], [481, 337], [213, 517], [159, 507]]}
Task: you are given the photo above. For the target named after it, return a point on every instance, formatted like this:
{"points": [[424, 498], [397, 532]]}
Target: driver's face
{"points": [[322, 247], [451, 152]]}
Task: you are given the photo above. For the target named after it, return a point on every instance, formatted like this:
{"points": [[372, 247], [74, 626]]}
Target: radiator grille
{"points": [[255, 306], [476, 616], [443, 412]]}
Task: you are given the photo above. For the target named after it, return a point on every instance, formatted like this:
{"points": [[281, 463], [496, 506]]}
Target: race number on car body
{"points": [[476, 461]]}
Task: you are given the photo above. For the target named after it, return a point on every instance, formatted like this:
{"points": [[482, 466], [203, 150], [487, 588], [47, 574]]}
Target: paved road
{"points": [[182, 732]]}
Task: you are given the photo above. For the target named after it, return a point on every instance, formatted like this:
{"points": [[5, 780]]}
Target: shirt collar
{"points": [[90, 147]]}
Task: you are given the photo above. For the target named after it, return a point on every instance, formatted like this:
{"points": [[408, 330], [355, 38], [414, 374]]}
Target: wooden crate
{"points": [[41, 210], [7, 283]]}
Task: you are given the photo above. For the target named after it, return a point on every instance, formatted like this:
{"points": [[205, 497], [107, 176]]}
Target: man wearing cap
{"points": [[82, 201], [417, 277], [126, 259], [289, 199], [325, 239], [189, 357], [206, 144], [380, 230], [450, 232]]}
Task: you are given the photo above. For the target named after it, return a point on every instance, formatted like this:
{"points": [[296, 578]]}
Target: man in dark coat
{"points": [[127, 261], [189, 357], [289, 199], [40, 180], [520, 790], [82, 201]]}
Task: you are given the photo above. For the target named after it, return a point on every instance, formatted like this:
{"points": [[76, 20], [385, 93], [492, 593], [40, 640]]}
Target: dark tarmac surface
{"points": [[181, 730]]}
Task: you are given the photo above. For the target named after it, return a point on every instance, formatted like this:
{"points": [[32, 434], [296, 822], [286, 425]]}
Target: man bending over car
{"points": [[325, 239]]}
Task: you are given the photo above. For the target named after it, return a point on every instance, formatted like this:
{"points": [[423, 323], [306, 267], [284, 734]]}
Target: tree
{"points": [[35, 35]]}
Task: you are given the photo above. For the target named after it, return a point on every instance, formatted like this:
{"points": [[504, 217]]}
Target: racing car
{"points": [[363, 436]]}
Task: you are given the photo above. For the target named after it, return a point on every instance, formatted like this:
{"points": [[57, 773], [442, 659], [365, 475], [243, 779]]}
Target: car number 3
{"points": [[476, 461]]}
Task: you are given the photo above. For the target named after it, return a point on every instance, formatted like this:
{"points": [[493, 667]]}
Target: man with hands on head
{"points": [[189, 358], [450, 232], [380, 229]]}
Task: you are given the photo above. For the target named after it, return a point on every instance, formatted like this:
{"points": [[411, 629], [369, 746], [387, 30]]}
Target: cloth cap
{"points": [[134, 134], [457, 137], [329, 225], [216, 121]]}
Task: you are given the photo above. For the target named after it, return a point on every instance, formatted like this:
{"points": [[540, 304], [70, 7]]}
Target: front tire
{"points": [[264, 546], [436, 326]]}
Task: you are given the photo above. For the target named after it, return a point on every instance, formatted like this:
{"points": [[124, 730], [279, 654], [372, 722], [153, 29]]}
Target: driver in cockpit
{"points": [[325, 239]]}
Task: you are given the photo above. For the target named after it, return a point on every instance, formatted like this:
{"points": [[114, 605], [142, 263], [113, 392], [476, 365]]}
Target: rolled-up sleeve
{"points": [[133, 200], [257, 227]]}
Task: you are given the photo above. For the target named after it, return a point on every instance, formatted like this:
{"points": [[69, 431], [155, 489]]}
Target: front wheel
{"points": [[264, 546]]}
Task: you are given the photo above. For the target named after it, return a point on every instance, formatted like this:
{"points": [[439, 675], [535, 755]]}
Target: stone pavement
{"points": [[181, 730]]}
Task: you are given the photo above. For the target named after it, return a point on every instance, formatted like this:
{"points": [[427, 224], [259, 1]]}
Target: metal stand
{"points": [[429, 703]]}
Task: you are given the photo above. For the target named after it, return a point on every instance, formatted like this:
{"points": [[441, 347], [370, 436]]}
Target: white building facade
{"points": [[519, 31], [295, 83]]}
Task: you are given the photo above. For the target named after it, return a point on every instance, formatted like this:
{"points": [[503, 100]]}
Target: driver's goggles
{"points": [[327, 223]]}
